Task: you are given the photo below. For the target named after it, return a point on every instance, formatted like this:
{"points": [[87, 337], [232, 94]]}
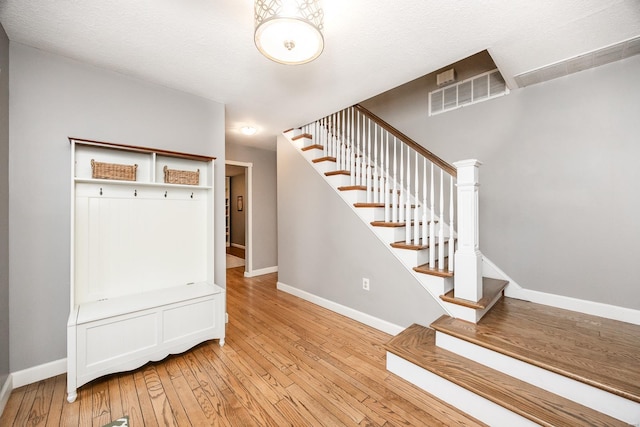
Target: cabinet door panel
{"points": [[182, 322], [114, 339]]}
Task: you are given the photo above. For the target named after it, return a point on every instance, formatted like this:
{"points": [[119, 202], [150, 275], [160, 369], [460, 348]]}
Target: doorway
{"points": [[238, 208]]}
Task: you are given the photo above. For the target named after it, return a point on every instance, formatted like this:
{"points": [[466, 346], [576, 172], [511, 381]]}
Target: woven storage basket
{"points": [[175, 176], [113, 171]]}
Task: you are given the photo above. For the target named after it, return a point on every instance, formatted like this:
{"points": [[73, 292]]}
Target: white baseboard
{"points": [[39, 373], [261, 271], [5, 392], [235, 245], [613, 312], [374, 322]]}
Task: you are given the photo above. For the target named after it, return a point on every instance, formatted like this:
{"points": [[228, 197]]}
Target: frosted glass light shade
{"points": [[289, 31]]}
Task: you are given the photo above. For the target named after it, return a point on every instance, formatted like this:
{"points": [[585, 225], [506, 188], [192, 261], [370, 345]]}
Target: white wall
{"points": [[325, 249], [52, 98], [4, 209], [559, 195], [264, 228]]}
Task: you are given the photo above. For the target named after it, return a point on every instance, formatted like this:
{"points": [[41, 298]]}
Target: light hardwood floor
{"points": [[285, 362]]}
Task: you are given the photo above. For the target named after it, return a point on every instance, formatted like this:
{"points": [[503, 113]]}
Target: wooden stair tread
{"points": [[311, 147], [413, 246], [324, 159], [596, 351], [376, 205], [302, 135], [490, 289], [391, 224], [436, 271], [338, 172], [416, 344]]}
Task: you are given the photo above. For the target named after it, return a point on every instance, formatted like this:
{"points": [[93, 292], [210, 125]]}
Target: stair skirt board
{"points": [[463, 399], [584, 394]]}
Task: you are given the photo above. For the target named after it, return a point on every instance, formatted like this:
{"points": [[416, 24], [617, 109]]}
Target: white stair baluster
{"points": [[441, 224], [416, 211], [368, 170], [451, 216], [394, 198], [360, 171], [407, 207], [376, 186], [402, 194], [425, 223], [432, 223], [385, 172], [352, 157], [343, 140]]}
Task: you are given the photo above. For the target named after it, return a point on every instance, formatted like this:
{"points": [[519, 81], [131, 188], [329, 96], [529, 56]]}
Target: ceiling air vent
{"points": [[471, 91], [446, 77]]}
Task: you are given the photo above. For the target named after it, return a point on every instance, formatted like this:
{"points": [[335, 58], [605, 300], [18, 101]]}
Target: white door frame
{"points": [[248, 253]]}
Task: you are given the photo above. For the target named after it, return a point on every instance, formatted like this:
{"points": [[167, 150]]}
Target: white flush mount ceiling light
{"points": [[289, 31], [248, 130]]}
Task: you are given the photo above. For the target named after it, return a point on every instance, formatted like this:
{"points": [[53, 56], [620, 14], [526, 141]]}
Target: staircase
{"points": [[405, 194], [508, 365]]}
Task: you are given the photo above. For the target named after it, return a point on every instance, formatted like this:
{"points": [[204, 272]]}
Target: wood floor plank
{"points": [[57, 402], [13, 406], [161, 407], [115, 398], [130, 403], [101, 403], [179, 414], [22, 416], [42, 403]]}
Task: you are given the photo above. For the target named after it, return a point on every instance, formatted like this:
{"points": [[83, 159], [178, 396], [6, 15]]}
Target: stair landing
{"points": [[599, 352]]}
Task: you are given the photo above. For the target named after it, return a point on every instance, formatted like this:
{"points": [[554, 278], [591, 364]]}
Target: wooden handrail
{"points": [[450, 169]]}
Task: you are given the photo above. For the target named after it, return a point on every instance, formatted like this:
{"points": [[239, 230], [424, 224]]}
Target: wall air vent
{"points": [[471, 91]]}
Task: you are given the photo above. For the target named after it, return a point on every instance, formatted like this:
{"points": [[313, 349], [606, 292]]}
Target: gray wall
{"points": [[238, 188], [325, 249], [264, 228], [53, 98], [4, 207], [559, 195]]}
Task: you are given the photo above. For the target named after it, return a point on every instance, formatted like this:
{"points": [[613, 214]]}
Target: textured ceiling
{"points": [[205, 47]]}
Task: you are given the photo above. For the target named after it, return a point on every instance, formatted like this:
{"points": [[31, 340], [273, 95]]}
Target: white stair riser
{"points": [[592, 397], [338, 180], [436, 285], [413, 258], [325, 166], [354, 196], [463, 399], [312, 154]]}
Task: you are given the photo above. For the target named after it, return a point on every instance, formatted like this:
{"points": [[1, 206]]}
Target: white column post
{"points": [[468, 258]]}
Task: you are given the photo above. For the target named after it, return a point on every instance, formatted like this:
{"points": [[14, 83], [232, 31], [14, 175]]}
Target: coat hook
{"points": [[192, 195], [135, 193], [101, 191], [165, 194]]}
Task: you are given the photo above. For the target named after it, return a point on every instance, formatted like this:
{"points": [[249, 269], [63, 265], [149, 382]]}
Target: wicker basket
{"points": [[175, 176], [101, 170]]}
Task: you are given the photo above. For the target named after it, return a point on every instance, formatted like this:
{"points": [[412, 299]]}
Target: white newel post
{"points": [[468, 258]]}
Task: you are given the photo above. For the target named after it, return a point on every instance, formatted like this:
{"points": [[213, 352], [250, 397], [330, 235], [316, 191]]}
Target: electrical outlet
{"points": [[365, 283]]}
